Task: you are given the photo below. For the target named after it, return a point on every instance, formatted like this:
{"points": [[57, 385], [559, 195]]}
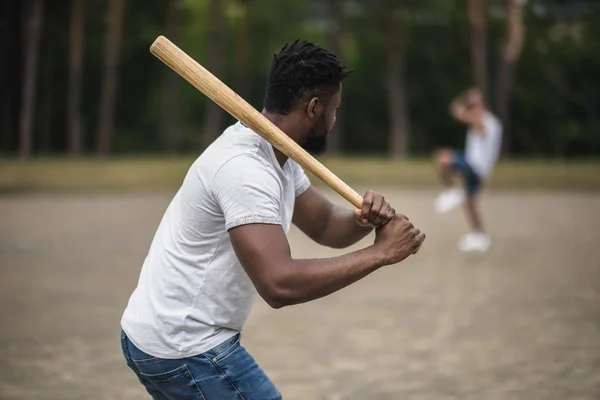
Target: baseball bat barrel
{"points": [[220, 93]]}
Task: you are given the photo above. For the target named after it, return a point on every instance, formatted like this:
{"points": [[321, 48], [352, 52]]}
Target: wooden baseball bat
{"points": [[221, 94]]}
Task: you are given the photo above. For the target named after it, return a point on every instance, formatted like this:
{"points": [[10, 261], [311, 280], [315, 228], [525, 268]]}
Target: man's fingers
{"points": [[378, 202], [419, 239], [387, 217], [402, 216], [381, 214], [378, 211], [407, 226], [367, 204], [391, 213]]}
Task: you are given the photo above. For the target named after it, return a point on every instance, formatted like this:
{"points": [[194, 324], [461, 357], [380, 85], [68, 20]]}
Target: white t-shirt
{"points": [[192, 292], [482, 150]]}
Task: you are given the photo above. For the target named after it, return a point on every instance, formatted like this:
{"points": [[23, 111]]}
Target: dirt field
{"points": [[522, 322]]}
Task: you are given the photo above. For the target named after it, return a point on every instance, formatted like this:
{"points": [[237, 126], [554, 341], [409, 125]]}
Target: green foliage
{"points": [[554, 104], [555, 107]]}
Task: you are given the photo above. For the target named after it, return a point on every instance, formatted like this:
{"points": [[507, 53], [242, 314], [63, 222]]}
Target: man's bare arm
{"points": [[461, 110], [264, 253], [335, 226]]}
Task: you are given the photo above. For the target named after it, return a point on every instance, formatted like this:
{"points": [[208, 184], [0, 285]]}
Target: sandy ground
{"points": [[521, 322]]}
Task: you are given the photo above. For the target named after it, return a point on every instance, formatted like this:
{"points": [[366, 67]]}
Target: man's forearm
{"points": [[458, 109], [309, 279], [341, 229], [459, 101]]}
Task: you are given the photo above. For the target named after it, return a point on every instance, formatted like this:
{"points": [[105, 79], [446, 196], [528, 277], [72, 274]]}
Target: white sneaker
{"points": [[449, 199], [474, 242]]}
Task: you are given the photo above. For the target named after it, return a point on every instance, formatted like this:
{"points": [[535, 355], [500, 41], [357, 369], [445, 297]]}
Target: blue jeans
{"points": [[222, 373], [471, 180]]}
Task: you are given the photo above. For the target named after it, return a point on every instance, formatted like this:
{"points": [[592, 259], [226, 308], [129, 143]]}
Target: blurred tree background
{"points": [[77, 77]]}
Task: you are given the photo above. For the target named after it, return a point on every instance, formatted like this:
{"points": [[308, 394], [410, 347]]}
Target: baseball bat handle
{"points": [[220, 93]]}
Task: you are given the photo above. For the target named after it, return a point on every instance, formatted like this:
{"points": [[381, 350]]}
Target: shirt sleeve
{"points": [[247, 193], [493, 132], [301, 182], [492, 126]]}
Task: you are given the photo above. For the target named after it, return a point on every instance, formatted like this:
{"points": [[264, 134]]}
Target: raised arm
{"points": [[248, 196], [458, 110], [264, 253], [335, 226], [463, 111]]}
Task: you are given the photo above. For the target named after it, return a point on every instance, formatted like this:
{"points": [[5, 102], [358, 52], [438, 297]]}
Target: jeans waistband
{"points": [[225, 346]]}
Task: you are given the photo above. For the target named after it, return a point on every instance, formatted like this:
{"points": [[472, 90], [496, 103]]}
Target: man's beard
{"points": [[316, 141], [315, 145]]}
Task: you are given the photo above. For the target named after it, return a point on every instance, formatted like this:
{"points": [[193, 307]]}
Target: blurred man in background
{"points": [[475, 165]]}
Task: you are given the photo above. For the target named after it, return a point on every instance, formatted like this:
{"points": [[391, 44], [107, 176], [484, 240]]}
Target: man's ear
{"points": [[311, 108]]}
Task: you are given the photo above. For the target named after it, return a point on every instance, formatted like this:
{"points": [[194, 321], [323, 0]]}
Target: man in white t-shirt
{"points": [[475, 165], [222, 240]]}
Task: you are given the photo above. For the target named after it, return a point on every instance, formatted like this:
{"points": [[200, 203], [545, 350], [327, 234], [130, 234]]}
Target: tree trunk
{"points": [[6, 125], [35, 15], [47, 86], [396, 86], [503, 82], [334, 43], [171, 126], [74, 119], [511, 51], [47, 108], [478, 20], [214, 63], [6, 80], [6, 120], [109, 85], [244, 50]]}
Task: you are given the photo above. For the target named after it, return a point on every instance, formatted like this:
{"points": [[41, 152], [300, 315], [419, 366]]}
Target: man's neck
{"points": [[287, 125]]}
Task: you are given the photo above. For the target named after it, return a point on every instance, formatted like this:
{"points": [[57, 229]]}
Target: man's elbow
{"points": [[276, 301], [277, 295]]}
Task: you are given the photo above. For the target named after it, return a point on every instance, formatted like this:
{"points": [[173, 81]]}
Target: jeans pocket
{"points": [[177, 383], [225, 349], [147, 360], [167, 376], [137, 356]]}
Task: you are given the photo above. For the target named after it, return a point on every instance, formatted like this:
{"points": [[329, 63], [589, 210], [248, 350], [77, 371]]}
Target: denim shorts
{"points": [[225, 372], [471, 180]]}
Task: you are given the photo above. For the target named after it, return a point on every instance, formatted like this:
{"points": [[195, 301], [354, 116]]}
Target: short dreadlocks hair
{"points": [[302, 70]]}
